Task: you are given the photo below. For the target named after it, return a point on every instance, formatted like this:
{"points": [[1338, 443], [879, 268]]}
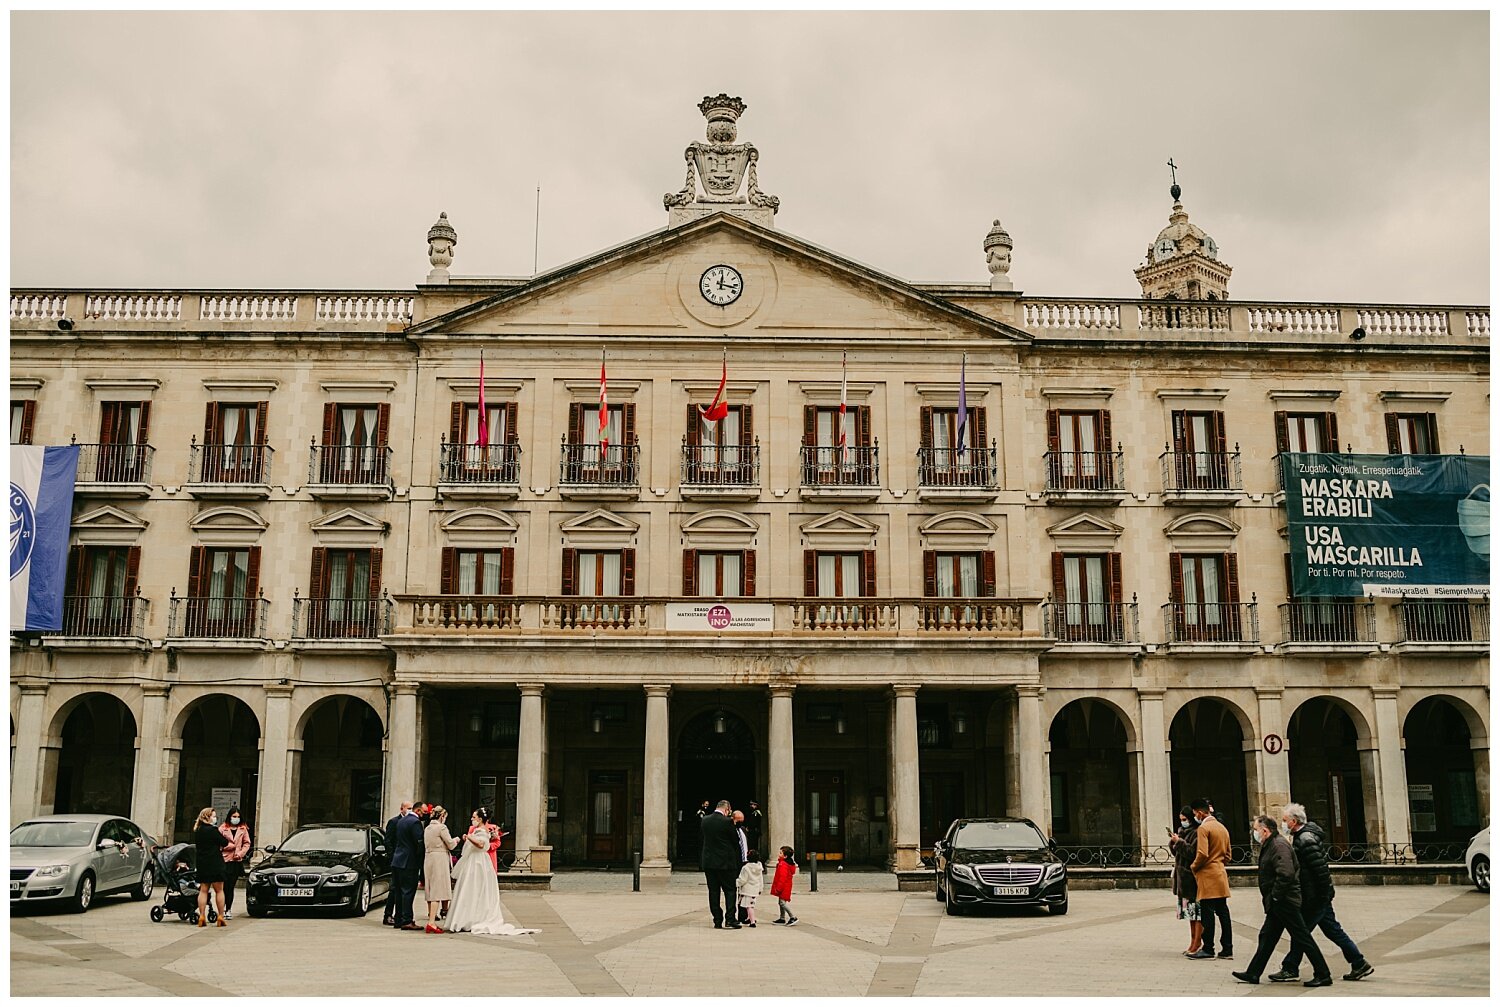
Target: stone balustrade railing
{"points": [[283, 308]]}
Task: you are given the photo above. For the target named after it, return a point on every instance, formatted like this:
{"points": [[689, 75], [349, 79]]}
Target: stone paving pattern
{"points": [[856, 936]]}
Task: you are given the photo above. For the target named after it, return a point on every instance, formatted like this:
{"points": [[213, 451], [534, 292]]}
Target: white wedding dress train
{"points": [[475, 907]]}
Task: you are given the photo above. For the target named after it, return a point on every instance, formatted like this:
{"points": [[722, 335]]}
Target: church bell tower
{"points": [[1183, 262]]}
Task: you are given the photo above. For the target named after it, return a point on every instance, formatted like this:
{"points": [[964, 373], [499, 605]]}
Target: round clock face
{"points": [[721, 285]]}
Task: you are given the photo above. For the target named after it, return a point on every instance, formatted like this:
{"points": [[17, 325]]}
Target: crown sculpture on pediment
{"points": [[721, 165]]}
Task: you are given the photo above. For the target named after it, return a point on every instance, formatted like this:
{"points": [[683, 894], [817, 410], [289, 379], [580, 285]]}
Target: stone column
{"points": [[1274, 771], [401, 749], [1395, 811], [1033, 756], [274, 820], [781, 804], [529, 784], [906, 800], [26, 771], [1156, 811], [149, 793], [655, 807], [1481, 749]]}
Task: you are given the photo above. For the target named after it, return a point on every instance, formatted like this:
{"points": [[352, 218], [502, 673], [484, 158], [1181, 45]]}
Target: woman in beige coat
{"points": [[437, 844]]}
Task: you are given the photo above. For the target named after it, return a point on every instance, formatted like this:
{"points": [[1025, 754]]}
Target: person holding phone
{"points": [[1184, 844]]}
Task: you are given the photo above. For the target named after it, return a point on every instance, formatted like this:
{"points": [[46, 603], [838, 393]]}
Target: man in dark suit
{"points": [[720, 860], [406, 858], [389, 916]]}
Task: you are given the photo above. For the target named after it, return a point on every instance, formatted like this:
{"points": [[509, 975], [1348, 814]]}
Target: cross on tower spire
{"points": [[1176, 189]]}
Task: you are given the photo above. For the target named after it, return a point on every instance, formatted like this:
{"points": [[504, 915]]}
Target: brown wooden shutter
{"points": [[926, 426], [627, 572], [376, 563], [252, 576], [456, 423], [1179, 432], [862, 415], [867, 573], [987, 574], [1114, 578], [197, 557], [1432, 434], [1392, 433], [211, 423], [1331, 430], [929, 569], [330, 424], [627, 421], [1232, 578], [1291, 594], [809, 573], [448, 571], [1059, 579], [747, 426], [569, 572], [262, 413], [383, 424], [1175, 560], [1283, 443], [694, 426], [747, 566], [690, 573], [132, 570], [76, 573], [1216, 427], [317, 584], [508, 570], [512, 418], [28, 420], [1054, 439], [809, 426], [1106, 432], [978, 421]]}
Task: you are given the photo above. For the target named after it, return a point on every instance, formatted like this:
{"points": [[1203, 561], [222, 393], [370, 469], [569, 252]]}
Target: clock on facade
{"points": [[721, 285]]}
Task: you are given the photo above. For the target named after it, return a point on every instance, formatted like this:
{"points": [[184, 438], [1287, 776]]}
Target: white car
{"points": [[1477, 856]]}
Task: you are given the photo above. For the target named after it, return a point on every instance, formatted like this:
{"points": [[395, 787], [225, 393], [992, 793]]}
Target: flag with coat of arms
{"points": [[41, 517]]}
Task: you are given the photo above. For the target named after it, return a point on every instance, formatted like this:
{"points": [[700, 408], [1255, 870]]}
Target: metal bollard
{"points": [[635, 884], [812, 866]]}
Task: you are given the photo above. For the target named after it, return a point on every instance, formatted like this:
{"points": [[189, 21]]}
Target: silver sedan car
{"points": [[76, 858]]}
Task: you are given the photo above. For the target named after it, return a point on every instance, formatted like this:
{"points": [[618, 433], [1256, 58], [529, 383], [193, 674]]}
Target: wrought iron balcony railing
{"points": [[350, 465], [218, 617], [115, 463], [1201, 471], [100, 616], [832, 466], [1211, 622], [595, 465], [1456, 620], [472, 465], [1092, 621], [1085, 471], [340, 618], [1328, 620], [229, 463], [973, 468], [720, 465]]}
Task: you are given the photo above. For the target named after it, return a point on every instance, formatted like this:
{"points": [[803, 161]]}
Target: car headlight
{"points": [[1053, 872], [55, 871], [963, 871], [343, 878], [260, 877]]}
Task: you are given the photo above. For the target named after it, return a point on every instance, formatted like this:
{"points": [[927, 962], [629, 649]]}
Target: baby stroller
{"points": [[175, 873]]}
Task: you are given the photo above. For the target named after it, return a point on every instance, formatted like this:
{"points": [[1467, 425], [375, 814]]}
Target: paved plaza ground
{"points": [[857, 936]]}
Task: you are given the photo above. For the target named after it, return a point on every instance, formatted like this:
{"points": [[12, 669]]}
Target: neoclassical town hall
{"points": [[311, 572]]}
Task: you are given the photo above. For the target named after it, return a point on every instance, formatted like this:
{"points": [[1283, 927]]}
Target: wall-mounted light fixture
{"points": [[839, 725], [719, 723], [598, 720], [474, 722], [960, 722]]}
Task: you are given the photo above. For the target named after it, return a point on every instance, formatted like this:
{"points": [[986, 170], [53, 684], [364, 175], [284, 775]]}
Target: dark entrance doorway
{"points": [[825, 814], [1326, 775], [1208, 760], [715, 761], [1441, 785], [96, 767], [942, 800], [606, 817]]}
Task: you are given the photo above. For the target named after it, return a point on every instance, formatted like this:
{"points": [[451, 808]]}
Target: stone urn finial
{"points": [[441, 240], [997, 249]]}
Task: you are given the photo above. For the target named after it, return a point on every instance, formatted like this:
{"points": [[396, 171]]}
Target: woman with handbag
{"points": [[236, 853]]}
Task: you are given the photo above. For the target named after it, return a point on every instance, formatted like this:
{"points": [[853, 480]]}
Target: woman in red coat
{"points": [[781, 886]]}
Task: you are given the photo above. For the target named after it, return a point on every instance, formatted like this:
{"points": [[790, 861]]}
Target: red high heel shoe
{"points": [[433, 930]]}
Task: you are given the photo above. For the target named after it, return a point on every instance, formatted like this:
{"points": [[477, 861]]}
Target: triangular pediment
{"points": [[349, 527], [227, 526], [108, 526], [840, 530], [651, 286], [1085, 531], [599, 527]]}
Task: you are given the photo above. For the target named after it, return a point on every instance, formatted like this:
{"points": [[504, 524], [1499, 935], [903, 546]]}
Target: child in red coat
{"points": [[781, 886]]}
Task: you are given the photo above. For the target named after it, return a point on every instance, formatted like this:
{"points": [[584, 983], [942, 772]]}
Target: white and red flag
{"points": [[719, 407], [603, 408], [843, 409]]}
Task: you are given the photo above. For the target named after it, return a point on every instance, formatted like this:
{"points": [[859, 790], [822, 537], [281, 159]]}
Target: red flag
{"points": [[719, 408], [603, 409], [484, 425]]}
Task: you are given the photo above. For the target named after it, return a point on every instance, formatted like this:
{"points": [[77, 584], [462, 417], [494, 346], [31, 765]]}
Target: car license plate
{"points": [[1013, 890], [294, 893], [15, 886]]}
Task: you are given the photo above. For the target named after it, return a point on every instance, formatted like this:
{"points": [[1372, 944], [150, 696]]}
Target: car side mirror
{"points": [[107, 844], [270, 849], [1052, 844]]}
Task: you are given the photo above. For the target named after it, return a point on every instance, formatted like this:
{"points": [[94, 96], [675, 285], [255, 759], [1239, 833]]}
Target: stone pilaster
{"points": [[152, 788], [1395, 811], [905, 774], [401, 748], [1274, 771], [1156, 809], [529, 784], [1033, 756], [1481, 749], [275, 814], [26, 770], [655, 807], [782, 803]]}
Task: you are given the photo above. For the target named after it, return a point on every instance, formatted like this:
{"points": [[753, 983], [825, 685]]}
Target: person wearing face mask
{"points": [[235, 854], [1281, 894], [1311, 848], [1208, 867], [208, 844], [1184, 843]]}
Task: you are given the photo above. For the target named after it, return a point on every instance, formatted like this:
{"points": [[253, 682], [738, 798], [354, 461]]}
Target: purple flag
{"points": [[963, 406]]}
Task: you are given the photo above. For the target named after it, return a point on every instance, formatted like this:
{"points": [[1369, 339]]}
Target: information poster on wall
{"points": [[221, 799], [721, 617], [1388, 525], [1423, 807]]}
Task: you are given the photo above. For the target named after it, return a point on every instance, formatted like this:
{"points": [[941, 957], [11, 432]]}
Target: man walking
{"points": [[1213, 881], [406, 857], [720, 860], [1310, 846], [1281, 893]]}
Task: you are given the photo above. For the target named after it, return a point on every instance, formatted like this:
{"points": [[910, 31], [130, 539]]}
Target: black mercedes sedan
{"points": [[999, 862], [322, 866]]}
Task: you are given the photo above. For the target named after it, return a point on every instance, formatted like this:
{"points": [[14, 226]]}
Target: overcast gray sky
{"points": [[1334, 157]]}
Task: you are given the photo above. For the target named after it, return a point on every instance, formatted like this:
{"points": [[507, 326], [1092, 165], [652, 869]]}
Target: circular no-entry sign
{"points": [[1272, 744]]}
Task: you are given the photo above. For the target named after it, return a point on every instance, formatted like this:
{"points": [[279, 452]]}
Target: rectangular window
{"points": [[1205, 597], [123, 429], [22, 417], [600, 575], [222, 590], [720, 574], [1411, 433], [354, 442], [1079, 447], [1306, 433], [1087, 589], [939, 459], [838, 574], [345, 589], [1198, 442], [823, 461], [957, 575], [101, 586], [1319, 619], [232, 435]]}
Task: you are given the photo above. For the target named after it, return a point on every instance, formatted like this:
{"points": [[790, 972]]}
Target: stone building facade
{"points": [[299, 576]]}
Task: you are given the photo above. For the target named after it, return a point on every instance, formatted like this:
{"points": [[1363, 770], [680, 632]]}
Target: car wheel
{"points": [[1061, 909], [953, 908], [255, 911], [1480, 871], [361, 903], [84, 896], [142, 891], [158, 914]]}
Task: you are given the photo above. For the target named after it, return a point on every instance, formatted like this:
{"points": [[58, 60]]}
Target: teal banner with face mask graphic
{"points": [[1388, 525]]}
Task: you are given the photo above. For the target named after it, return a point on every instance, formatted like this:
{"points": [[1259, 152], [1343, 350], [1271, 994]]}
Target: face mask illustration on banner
{"points": [[1474, 519]]}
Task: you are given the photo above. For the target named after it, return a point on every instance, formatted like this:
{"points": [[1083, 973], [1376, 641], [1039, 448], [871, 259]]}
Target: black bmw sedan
{"points": [[999, 862], [336, 865]]}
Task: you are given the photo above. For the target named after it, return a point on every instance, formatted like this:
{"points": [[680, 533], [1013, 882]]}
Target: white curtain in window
{"points": [[968, 569], [1073, 589], [1095, 582], [946, 588], [17, 415], [1201, 443]]}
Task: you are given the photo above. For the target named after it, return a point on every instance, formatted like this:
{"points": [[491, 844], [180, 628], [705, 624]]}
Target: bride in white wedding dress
{"points": [[476, 897]]}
